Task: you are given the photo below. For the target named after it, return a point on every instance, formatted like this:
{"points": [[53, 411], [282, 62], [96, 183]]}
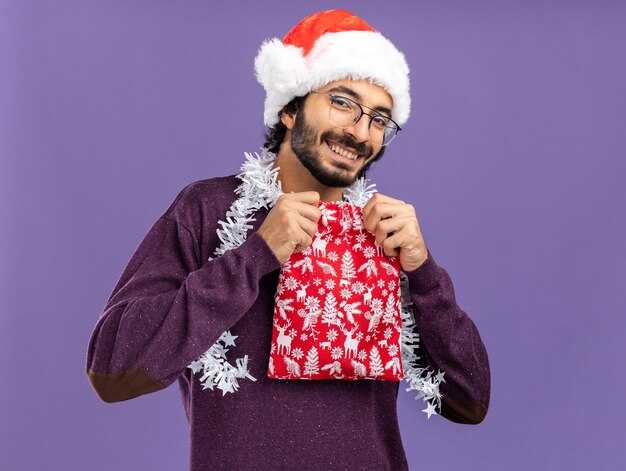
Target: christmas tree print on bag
{"points": [[337, 305]]}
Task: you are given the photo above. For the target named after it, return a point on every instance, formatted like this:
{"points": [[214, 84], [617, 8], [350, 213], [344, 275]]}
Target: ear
{"points": [[288, 119]]}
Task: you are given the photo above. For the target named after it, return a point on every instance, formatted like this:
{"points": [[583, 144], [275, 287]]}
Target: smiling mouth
{"points": [[342, 151]]}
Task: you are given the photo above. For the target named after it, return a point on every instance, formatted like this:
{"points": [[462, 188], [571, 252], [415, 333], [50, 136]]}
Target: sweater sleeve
{"points": [[450, 341], [165, 311]]}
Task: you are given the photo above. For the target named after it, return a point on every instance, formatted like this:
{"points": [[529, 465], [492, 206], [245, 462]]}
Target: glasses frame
{"points": [[376, 114]]}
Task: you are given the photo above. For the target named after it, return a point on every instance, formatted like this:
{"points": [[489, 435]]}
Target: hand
{"points": [[394, 224], [291, 224]]}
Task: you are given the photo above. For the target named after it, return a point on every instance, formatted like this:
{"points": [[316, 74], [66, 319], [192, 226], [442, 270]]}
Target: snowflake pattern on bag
{"points": [[337, 305]]}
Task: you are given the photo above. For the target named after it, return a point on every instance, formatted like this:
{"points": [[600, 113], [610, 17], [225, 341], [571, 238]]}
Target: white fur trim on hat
{"points": [[285, 73]]}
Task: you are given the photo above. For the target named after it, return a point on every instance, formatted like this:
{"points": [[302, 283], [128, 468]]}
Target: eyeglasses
{"points": [[345, 112]]}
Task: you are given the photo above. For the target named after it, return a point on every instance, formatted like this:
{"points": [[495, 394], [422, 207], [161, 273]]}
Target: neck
{"points": [[295, 177]]}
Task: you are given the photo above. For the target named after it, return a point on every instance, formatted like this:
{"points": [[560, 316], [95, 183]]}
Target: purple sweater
{"points": [[171, 304]]}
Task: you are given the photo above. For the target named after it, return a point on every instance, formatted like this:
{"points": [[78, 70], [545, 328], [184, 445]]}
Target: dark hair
{"points": [[276, 134]]}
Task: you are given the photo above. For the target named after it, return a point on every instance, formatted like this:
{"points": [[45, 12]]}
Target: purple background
{"points": [[513, 157]]}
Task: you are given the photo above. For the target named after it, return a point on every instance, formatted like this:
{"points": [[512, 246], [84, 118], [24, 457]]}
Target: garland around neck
{"points": [[260, 188]]}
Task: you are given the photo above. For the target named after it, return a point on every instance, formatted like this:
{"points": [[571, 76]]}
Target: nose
{"points": [[360, 130]]}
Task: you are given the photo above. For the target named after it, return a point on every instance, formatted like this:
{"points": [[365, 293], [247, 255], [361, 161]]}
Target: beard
{"points": [[304, 146]]}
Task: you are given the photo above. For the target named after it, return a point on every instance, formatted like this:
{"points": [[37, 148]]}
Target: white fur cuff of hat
{"points": [[285, 73]]}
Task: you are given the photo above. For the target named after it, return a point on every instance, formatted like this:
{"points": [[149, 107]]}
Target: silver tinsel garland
{"points": [[260, 188]]}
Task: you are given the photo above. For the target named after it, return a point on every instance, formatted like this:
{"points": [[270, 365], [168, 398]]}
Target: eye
{"points": [[340, 103], [380, 121]]}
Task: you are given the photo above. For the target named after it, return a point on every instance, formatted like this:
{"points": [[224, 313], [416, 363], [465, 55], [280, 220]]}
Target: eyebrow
{"points": [[357, 97]]}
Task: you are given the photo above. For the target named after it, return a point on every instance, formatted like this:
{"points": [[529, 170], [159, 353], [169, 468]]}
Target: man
{"points": [[207, 272]]}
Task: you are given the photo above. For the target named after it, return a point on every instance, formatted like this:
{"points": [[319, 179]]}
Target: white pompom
{"points": [[280, 68]]}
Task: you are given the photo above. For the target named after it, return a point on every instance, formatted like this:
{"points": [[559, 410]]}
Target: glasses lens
{"points": [[343, 112], [390, 132], [382, 129]]}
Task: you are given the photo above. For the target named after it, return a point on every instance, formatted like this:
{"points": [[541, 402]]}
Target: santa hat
{"points": [[327, 46]]}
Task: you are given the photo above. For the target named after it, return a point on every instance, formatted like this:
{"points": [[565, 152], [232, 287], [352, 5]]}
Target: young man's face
{"points": [[327, 150]]}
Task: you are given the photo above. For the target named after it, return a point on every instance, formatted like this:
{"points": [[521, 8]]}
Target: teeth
{"points": [[344, 152]]}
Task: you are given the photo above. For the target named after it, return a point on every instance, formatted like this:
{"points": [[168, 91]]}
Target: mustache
{"points": [[360, 147]]}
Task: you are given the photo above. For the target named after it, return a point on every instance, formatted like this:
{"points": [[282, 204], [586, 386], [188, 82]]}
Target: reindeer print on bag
{"points": [[337, 305]]}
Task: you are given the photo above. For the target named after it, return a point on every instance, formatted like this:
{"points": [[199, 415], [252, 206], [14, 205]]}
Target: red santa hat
{"points": [[327, 46]]}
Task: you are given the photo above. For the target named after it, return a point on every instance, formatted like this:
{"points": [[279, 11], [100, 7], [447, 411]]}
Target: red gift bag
{"points": [[337, 305]]}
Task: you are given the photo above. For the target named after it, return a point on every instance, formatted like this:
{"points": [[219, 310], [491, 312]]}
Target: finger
{"points": [[387, 227], [391, 245], [383, 211], [379, 198], [307, 197], [312, 213], [307, 225], [303, 242]]}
